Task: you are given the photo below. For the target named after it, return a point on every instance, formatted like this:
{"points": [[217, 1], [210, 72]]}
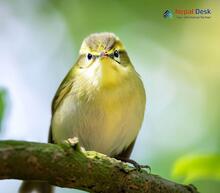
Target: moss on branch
{"points": [[66, 166]]}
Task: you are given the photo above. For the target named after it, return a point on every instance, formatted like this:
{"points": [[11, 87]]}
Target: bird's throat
{"points": [[110, 74]]}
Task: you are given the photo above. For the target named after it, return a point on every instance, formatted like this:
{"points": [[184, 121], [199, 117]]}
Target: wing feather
{"points": [[62, 91]]}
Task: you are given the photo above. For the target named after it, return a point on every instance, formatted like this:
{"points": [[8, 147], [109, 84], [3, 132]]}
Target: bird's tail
{"points": [[38, 186]]}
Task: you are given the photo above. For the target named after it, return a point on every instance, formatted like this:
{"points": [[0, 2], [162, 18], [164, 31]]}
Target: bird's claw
{"points": [[137, 165], [72, 141]]}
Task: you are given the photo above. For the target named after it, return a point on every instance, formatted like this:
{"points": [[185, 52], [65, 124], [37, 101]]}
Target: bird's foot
{"points": [[136, 165], [73, 142]]}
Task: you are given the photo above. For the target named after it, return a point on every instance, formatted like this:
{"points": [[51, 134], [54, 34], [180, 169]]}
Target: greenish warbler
{"points": [[101, 101]]}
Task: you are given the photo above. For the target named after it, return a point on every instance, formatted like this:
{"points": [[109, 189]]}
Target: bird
{"points": [[101, 101]]}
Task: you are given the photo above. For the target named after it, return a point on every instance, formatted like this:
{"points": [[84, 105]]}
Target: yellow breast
{"points": [[108, 123]]}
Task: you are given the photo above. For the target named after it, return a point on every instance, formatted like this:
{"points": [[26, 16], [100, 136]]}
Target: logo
{"points": [[188, 13], [168, 14]]}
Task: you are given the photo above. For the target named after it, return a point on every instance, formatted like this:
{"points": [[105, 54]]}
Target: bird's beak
{"points": [[103, 54]]}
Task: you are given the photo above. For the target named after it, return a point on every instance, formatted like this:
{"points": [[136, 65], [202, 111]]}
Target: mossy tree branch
{"points": [[67, 166]]}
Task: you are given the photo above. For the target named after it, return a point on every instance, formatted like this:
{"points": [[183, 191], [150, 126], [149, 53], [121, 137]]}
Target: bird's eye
{"points": [[116, 54], [89, 56]]}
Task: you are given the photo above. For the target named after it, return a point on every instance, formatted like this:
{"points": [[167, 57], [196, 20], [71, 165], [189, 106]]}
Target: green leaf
{"points": [[197, 167], [2, 105]]}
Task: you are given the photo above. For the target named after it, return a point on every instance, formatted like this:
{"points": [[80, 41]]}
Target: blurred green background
{"points": [[178, 59]]}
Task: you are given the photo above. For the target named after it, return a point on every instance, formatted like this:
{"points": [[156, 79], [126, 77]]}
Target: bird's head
{"points": [[103, 58]]}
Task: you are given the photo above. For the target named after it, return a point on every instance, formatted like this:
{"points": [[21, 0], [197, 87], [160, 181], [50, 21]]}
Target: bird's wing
{"points": [[62, 91]]}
